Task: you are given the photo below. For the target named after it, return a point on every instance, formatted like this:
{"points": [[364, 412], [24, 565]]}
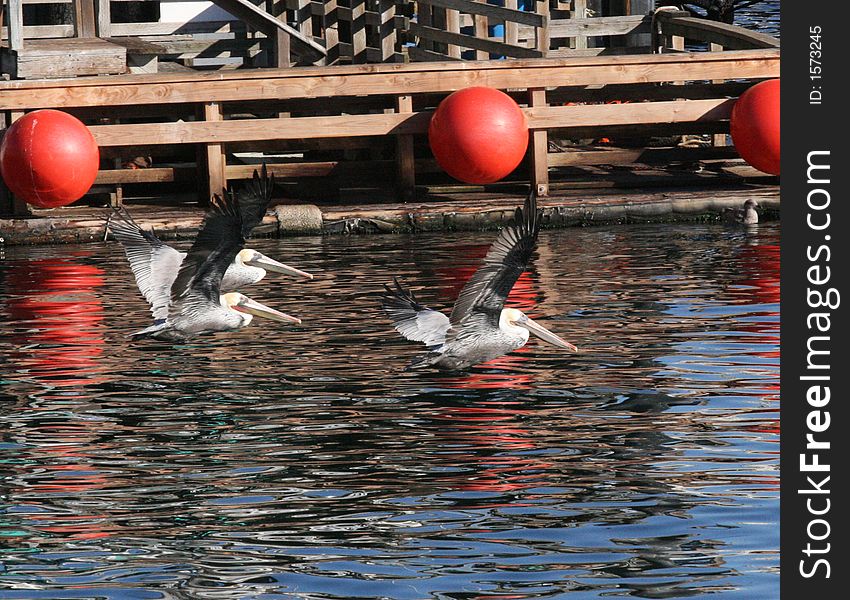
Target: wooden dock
{"points": [[340, 126]]}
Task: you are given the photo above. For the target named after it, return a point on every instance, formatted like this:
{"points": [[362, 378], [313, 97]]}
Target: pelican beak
{"points": [[270, 264], [546, 335], [257, 309]]}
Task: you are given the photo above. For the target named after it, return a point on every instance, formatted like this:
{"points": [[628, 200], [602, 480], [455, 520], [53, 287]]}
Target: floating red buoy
{"points": [[49, 158], [478, 135], [755, 126]]}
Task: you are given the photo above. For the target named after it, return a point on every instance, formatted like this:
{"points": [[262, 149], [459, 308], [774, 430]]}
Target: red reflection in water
{"points": [[55, 313]]}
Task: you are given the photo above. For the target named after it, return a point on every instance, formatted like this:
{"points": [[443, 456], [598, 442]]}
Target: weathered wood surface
{"points": [[491, 10], [446, 212], [269, 25], [704, 30], [271, 84], [71, 57], [539, 117]]}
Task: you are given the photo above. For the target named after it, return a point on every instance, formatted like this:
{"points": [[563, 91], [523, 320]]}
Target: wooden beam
{"points": [[498, 13], [215, 131], [467, 41], [271, 84]]}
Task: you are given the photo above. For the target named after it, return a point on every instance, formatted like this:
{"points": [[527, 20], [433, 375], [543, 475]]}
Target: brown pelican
{"points": [[155, 264], [744, 216], [192, 303], [479, 328]]}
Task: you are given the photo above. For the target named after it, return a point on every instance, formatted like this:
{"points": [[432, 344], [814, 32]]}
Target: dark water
{"points": [[304, 463], [762, 16]]}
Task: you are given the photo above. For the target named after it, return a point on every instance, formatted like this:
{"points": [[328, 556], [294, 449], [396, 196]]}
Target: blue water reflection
{"points": [[305, 463]]}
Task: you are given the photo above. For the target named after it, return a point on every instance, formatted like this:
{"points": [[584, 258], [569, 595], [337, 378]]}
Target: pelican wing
{"points": [[254, 200], [217, 244], [154, 263], [414, 321], [482, 298]]}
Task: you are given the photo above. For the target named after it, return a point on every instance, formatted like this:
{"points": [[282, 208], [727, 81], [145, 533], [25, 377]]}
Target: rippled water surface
{"points": [[306, 463]]}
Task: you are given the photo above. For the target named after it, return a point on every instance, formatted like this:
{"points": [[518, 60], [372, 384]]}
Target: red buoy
{"points": [[49, 158], [755, 126], [478, 135]]}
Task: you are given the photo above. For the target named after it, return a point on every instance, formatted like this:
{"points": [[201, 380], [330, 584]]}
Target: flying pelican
{"points": [[192, 303], [155, 264], [479, 328]]}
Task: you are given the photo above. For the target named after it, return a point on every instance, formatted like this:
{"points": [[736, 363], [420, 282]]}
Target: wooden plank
{"points": [[216, 131], [405, 165], [467, 41], [119, 176], [684, 111], [539, 147], [421, 54], [222, 132], [271, 84], [42, 59], [491, 10], [629, 63], [42, 31], [190, 28], [599, 26]]}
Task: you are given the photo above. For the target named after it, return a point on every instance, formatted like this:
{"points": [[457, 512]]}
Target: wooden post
{"points": [[84, 21], [717, 139], [215, 159], [539, 147], [482, 33], [404, 160], [541, 34], [358, 32], [386, 29], [9, 203], [511, 28], [424, 15], [16, 24], [281, 50], [579, 12], [104, 19], [453, 26]]}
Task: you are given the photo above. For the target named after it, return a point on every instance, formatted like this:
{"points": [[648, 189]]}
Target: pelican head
{"points": [[517, 318], [252, 258], [750, 203], [250, 308]]}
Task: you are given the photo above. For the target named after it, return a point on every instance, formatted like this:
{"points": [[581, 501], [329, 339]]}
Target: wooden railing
{"points": [[386, 104], [672, 29]]}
